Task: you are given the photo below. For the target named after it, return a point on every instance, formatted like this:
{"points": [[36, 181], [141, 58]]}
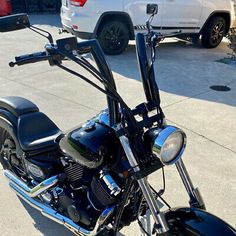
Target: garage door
{"points": [[36, 6]]}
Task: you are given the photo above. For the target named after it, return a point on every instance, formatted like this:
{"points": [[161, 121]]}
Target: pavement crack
{"points": [[203, 136], [231, 82], [196, 95], [32, 75], [65, 99], [187, 98]]}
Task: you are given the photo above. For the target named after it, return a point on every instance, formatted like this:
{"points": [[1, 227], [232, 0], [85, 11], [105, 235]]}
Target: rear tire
{"points": [[4, 135], [213, 32], [113, 37], [8, 156]]}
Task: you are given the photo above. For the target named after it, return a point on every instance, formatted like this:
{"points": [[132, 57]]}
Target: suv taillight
{"points": [[78, 3]]}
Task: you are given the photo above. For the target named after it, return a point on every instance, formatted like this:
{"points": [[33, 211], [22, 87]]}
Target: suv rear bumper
{"points": [[82, 35]]}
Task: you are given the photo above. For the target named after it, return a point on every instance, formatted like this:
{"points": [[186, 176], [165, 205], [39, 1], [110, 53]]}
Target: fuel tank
{"points": [[91, 145]]}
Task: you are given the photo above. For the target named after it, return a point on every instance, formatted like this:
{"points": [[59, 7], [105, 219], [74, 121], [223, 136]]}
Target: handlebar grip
{"points": [[29, 58]]}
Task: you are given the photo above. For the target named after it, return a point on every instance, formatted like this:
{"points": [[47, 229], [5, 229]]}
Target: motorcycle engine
{"points": [[91, 191], [89, 153], [103, 191]]}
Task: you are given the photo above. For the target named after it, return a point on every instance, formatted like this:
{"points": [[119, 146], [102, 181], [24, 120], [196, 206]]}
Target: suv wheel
{"points": [[214, 32], [113, 37]]}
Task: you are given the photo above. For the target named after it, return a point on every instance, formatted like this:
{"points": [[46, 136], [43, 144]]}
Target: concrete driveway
{"points": [[184, 73]]}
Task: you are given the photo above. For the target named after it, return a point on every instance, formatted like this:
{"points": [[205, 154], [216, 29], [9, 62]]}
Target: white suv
{"points": [[114, 23]]}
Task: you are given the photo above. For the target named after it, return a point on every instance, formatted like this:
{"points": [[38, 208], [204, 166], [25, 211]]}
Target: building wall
{"points": [[36, 6]]}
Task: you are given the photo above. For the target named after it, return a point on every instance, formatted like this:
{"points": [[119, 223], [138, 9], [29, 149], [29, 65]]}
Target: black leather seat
{"points": [[18, 105], [36, 131]]}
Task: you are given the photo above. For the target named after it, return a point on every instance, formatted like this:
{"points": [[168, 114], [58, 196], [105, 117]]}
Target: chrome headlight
{"points": [[168, 144]]}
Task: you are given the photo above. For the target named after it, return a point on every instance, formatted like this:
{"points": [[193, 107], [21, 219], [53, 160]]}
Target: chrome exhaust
{"points": [[24, 192], [37, 190]]}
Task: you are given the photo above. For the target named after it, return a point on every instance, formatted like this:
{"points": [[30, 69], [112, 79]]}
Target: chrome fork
{"points": [[196, 199], [158, 216]]}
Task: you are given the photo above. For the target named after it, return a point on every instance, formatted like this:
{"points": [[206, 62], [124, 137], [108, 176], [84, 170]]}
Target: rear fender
{"points": [[195, 222]]}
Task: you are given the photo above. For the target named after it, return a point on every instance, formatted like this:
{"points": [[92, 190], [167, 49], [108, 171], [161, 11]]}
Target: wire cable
{"points": [[88, 81], [92, 70]]}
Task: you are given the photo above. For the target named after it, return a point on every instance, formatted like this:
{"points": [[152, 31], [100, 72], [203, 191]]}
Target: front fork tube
{"points": [[196, 200], [159, 218]]}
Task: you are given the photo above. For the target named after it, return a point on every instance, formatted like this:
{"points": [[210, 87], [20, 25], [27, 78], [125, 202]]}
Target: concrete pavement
{"points": [[185, 73]]}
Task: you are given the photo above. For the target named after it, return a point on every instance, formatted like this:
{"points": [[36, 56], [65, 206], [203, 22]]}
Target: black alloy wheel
{"points": [[214, 32], [8, 154], [6, 146], [113, 37]]}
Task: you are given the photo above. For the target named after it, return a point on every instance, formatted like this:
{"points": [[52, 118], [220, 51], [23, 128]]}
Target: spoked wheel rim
{"points": [[217, 33], [115, 38]]}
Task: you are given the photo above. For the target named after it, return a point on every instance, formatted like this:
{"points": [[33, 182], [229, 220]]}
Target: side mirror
{"points": [[152, 9], [14, 22]]}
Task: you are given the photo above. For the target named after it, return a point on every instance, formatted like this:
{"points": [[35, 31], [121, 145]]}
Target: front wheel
{"points": [[113, 37], [213, 32]]}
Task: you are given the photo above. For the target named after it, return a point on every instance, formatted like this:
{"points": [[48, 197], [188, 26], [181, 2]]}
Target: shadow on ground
{"points": [[46, 226], [184, 69], [181, 68]]}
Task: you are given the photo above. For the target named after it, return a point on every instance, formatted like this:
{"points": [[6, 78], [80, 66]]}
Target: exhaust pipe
{"points": [[25, 193], [37, 190]]}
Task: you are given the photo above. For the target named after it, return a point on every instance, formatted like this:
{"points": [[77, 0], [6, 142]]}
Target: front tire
{"points": [[213, 32], [113, 37]]}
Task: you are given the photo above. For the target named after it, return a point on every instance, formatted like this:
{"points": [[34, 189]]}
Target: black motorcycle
{"points": [[94, 179]]}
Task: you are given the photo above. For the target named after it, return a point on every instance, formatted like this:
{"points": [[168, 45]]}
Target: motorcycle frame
{"points": [[153, 97]]}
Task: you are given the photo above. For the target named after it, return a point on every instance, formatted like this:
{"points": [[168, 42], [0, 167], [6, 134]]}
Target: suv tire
{"points": [[213, 32], [113, 37]]}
